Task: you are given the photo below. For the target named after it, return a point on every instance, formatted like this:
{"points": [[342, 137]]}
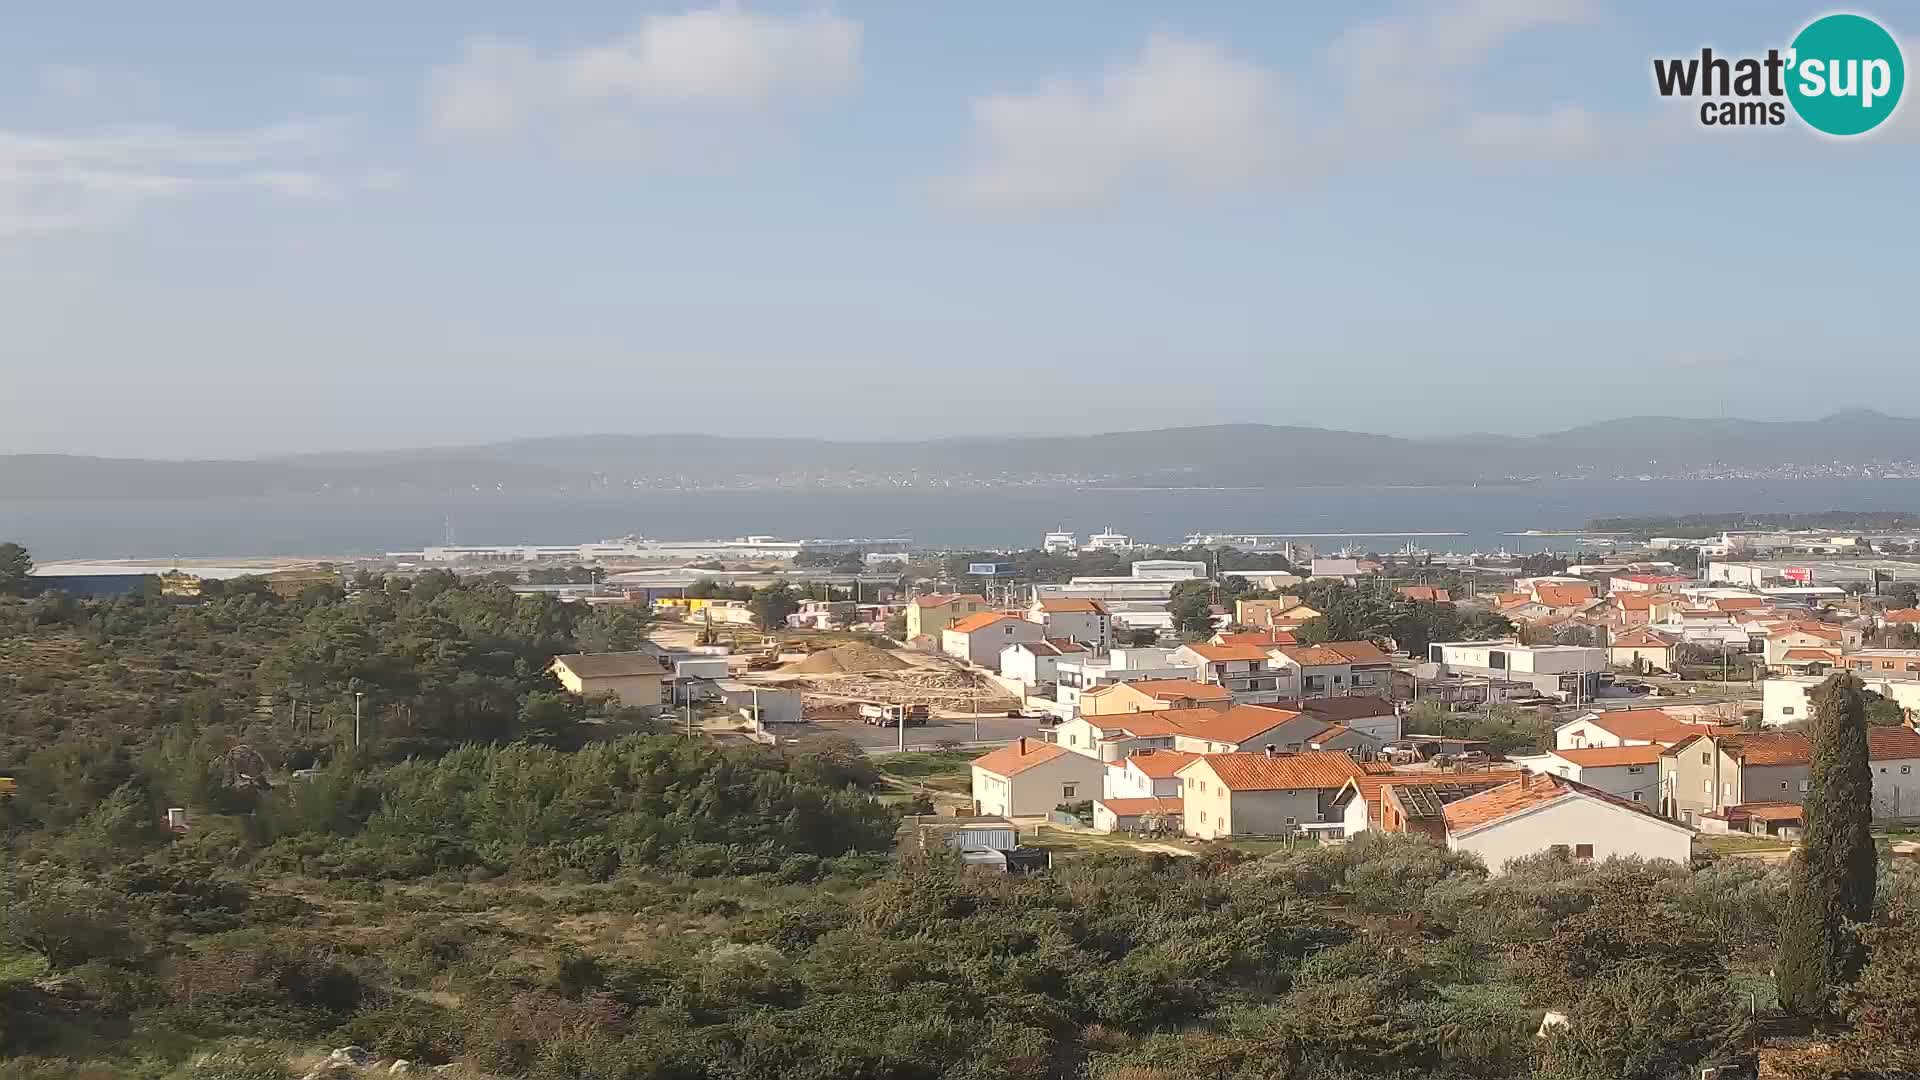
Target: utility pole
{"points": [[976, 712], [357, 696]]}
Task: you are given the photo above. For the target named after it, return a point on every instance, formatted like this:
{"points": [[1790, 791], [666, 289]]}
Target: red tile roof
{"points": [[1159, 764], [1740, 603], [1359, 652], [1425, 593], [1893, 744], [1138, 807], [1563, 595], [1314, 656], [1642, 639], [1601, 756], [1813, 629], [1066, 605], [1769, 748], [1280, 772], [1018, 756], [1529, 791], [1238, 724], [1902, 615], [978, 621], [1822, 655]]}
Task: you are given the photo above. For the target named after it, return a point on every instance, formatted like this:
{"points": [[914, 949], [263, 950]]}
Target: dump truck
{"points": [[881, 714]]}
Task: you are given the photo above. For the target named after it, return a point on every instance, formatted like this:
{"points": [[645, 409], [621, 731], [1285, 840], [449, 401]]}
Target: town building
{"points": [[1261, 794], [1028, 777], [1540, 812], [1374, 717], [1642, 650], [1147, 815], [634, 678], [979, 639], [1119, 665], [1408, 802], [1168, 569], [1246, 728], [1278, 611], [1567, 672], [1074, 619], [1242, 669], [1631, 772], [1624, 727], [1885, 664], [1710, 771], [1152, 695], [1788, 699], [1146, 774], [1036, 663], [928, 616]]}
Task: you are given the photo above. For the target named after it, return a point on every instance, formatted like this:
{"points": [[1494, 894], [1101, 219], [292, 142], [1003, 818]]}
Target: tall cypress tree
{"points": [[1831, 889]]}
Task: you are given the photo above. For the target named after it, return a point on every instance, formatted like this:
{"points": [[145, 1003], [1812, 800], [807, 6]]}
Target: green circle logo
{"points": [[1845, 74]]}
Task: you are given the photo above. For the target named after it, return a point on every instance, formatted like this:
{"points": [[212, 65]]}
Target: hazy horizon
{"points": [[272, 234]]}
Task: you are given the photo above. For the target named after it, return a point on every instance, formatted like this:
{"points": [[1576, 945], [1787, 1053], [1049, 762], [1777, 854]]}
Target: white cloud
{"points": [[715, 56], [1184, 113], [57, 181], [1190, 114]]}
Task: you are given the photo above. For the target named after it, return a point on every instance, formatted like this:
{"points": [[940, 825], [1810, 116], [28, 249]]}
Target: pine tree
{"points": [[1830, 892]]}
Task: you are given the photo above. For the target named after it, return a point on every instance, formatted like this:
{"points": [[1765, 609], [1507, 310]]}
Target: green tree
{"points": [[1831, 891], [15, 566], [897, 626], [772, 605], [1192, 608], [611, 629], [1906, 592]]}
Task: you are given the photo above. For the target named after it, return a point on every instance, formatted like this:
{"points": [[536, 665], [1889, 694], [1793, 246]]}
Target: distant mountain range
{"points": [[1229, 455]]}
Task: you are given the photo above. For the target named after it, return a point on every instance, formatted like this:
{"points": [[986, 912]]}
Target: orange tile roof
{"points": [[1529, 791], [1019, 755], [1892, 744], [1137, 807], [1829, 655], [1642, 639], [1902, 615], [1172, 689], [978, 621], [1651, 724], [1359, 652], [1220, 653], [1159, 764], [1376, 778], [1314, 656], [1768, 811], [1238, 724], [1264, 639], [1601, 756], [1769, 748], [1740, 603], [1148, 725], [1819, 630], [1066, 605], [1419, 593], [1634, 601], [1280, 772], [1563, 595]]}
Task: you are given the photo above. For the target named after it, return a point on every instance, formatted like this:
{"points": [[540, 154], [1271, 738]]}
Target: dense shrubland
{"points": [[564, 899]]}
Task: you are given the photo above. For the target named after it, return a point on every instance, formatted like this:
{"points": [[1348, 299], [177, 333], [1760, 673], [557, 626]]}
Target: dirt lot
{"points": [[993, 731]]}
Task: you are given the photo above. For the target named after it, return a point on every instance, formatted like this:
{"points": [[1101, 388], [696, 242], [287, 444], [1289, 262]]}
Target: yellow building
{"points": [[1152, 695], [635, 678], [931, 614]]}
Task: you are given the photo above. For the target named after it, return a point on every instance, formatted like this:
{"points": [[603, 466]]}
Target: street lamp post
{"points": [[357, 696]]}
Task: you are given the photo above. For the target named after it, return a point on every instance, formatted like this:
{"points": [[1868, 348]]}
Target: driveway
{"points": [[993, 730]]}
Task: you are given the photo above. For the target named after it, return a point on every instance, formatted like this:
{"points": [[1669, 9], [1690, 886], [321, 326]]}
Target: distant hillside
{"points": [[1229, 455]]}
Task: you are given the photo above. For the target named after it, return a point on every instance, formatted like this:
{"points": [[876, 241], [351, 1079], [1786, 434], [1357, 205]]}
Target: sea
{"points": [[1468, 518]]}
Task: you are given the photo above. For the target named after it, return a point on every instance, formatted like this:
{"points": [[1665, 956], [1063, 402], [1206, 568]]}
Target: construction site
{"points": [[835, 681]]}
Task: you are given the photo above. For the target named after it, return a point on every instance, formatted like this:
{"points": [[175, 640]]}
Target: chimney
{"points": [[1021, 746], [1270, 750]]}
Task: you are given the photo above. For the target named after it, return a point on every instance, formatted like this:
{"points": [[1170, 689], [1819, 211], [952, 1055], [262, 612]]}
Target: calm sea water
{"points": [[56, 529]]}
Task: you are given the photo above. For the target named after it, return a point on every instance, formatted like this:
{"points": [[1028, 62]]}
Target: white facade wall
{"points": [[1037, 790], [1131, 783], [1642, 786], [1896, 789], [1574, 820], [1087, 627], [982, 647]]}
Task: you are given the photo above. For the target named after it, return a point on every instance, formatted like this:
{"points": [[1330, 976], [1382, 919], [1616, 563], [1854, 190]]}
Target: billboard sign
{"points": [[983, 569], [1798, 573]]}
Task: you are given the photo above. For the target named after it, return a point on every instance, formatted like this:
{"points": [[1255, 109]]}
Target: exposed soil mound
{"points": [[847, 659]]}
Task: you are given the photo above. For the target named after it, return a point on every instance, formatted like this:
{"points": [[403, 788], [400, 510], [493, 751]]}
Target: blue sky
{"points": [[229, 230]]}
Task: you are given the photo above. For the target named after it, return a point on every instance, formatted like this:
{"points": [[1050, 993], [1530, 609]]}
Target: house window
{"points": [[1067, 790], [1906, 770], [1706, 787], [1636, 768], [1806, 785], [1073, 740], [1639, 796], [1289, 821], [1583, 851], [1786, 710], [1706, 758], [1203, 817], [1726, 790]]}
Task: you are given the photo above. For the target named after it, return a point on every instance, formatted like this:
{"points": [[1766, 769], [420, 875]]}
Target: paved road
{"points": [[992, 731]]}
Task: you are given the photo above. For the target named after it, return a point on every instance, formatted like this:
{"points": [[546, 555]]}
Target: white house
{"points": [[1119, 665], [1626, 727], [1244, 670], [1568, 672], [1074, 619], [1146, 774], [1631, 772], [1893, 755], [1028, 777], [979, 639], [1543, 812], [1037, 663]]}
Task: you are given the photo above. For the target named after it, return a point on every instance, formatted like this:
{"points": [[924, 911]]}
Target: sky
{"points": [[230, 229]]}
